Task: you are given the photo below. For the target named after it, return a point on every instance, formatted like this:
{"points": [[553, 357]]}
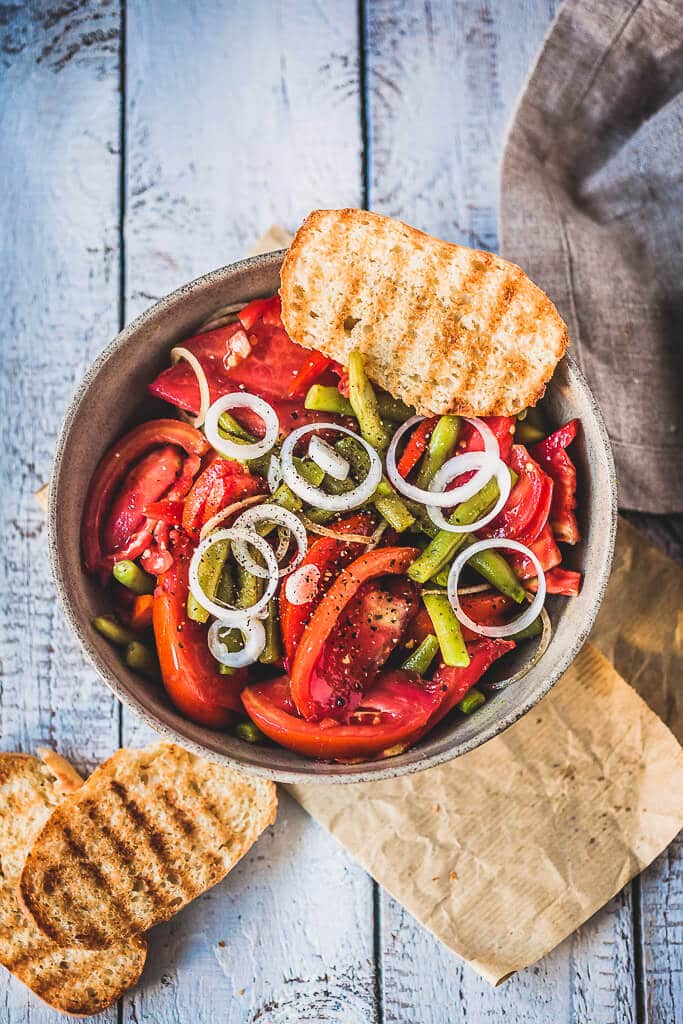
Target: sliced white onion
{"points": [[178, 353], [325, 531], [377, 535], [544, 640], [453, 468], [522, 621], [491, 466], [269, 513], [302, 585], [234, 616], [330, 461], [274, 474], [225, 513], [314, 495], [233, 450], [254, 635]]}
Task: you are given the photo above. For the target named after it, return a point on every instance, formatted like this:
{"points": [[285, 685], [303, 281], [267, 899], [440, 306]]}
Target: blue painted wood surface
{"points": [[144, 142]]}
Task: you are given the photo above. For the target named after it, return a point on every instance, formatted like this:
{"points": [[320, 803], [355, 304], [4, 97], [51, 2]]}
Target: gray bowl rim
{"points": [[355, 773]]}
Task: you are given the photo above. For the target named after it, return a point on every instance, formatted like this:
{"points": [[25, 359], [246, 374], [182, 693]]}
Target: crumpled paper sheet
{"points": [[505, 851]]}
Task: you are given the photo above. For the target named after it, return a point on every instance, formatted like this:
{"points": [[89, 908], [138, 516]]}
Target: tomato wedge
{"points": [[559, 581], [145, 483], [503, 428], [488, 608], [417, 445], [312, 369], [112, 470], [222, 483], [368, 630], [380, 562], [553, 457], [329, 556], [526, 511], [393, 714], [483, 652], [189, 672], [546, 550]]}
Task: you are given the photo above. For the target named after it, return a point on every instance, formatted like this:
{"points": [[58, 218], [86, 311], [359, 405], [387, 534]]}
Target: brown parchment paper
{"points": [[505, 851]]}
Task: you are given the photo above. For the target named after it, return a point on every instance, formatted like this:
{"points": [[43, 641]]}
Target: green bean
{"points": [[495, 568], [285, 497], [233, 640], [441, 444], [390, 506], [443, 546], [310, 471], [421, 658], [229, 425], [209, 573], [364, 402], [225, 591], [472, 700], [248, 732], [133, 577], [249, 588], [328, 399], [393, 510], [447, 629], [534, 629], [322, 516], [141, 659], [272, 652], [112, 630], [527, 433]]}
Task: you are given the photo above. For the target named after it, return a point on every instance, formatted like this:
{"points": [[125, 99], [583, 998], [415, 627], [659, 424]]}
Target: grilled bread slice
{"points": [[149, 831], [74, 981], [446, 328]]}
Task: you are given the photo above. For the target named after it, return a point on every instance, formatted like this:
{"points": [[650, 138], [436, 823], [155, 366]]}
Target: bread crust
{"points": [[446, 328]]}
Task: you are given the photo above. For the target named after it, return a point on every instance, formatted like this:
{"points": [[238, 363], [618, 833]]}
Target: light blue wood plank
{"points": [[442, 79], [240, 116], [59, 114]]}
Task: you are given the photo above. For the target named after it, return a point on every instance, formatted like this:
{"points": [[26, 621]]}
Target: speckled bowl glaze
{"points": [[112, 396]]}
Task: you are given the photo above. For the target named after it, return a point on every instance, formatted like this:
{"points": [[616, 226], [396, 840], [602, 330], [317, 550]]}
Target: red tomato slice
{"points": [[417, 445], [146, 482], [393, 714], [502, 426], [552, 456], [223, 482], [329, 556], [189, 672], [559, 581], [483, 652], [526, 511], [488, 608], [368, 630], [380, 562], [546, 550], [312, 369], [112, 470]]}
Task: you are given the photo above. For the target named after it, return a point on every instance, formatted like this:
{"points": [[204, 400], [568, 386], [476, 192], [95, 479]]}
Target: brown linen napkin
{"points": [[505, 851], [592, 208]]}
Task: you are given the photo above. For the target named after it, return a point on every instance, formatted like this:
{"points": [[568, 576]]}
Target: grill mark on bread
{"points": [[155, 839], [100, 883]]}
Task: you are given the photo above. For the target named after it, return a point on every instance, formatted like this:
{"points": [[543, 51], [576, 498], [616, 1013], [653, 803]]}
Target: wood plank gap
{"points": [[122, 243], [640, 982], [364, 104], [377, 951]]}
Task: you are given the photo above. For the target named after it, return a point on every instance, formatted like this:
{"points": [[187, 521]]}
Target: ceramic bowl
{"points": [[112, 396]]}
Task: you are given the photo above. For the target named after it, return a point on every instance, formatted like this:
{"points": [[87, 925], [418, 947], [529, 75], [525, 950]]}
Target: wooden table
{"points": [[145, 143]]}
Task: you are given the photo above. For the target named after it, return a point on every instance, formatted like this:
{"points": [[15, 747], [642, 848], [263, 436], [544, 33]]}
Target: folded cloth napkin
{"points": [[592, 208]]}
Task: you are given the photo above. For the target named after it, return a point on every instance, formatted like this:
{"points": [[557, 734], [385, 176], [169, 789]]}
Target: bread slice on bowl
{"points": [[446, 328]]}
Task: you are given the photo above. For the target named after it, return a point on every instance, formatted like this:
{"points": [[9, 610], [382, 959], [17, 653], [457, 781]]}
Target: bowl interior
{"points": [[111, 397]]}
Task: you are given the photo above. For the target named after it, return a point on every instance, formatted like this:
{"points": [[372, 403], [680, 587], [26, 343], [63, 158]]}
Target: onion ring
{"points": [[229, 615], [502, 684], [269, 513], [314, 495], [451, 469], [254, 634], [509, 628], [178, 353], [231, 449]]}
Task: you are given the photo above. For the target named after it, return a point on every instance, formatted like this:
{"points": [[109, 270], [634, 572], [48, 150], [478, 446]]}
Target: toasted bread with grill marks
{"points": [[446, 328], [149, 831], [76, 981]]}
